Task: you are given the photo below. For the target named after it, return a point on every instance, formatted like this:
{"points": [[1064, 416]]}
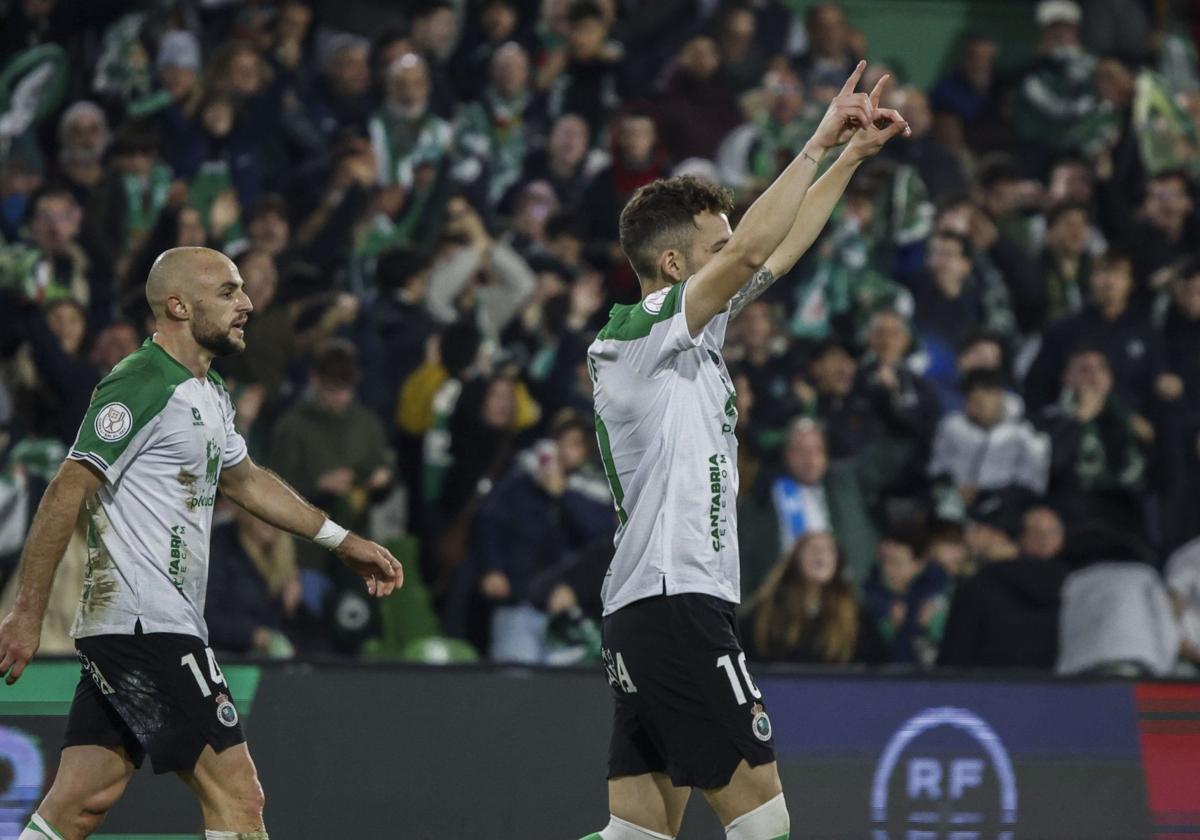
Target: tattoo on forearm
{"points": [[759, 283]]}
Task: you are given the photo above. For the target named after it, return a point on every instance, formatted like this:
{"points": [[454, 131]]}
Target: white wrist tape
{"points": [[331, 535]]}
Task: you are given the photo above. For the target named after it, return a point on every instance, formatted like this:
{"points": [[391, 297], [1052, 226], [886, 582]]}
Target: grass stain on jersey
{"points": [[99, 581], [187, 480]]}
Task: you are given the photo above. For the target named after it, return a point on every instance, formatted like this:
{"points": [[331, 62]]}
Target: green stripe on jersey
{"points": [[610, 469], [629, 322], [127, 400]]}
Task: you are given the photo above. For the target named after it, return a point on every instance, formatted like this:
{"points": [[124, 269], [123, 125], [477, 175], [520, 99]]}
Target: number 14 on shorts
{"points": [[214, 671]]}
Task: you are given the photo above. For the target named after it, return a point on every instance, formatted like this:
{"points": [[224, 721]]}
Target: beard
{"points": [[215, 340]]}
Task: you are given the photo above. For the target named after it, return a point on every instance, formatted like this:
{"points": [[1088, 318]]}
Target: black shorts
{"points": [[161, 694], [685, 702]]}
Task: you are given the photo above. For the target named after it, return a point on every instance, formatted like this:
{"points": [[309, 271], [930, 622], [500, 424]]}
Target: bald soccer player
{"points": [[156, 444]]}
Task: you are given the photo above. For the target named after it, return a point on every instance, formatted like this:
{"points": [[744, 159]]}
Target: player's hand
{"points": [[848, 112], [885, 124], [20, 637], [373, 563]]}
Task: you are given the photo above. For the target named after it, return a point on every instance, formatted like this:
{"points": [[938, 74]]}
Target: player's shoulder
{"points": [[634, 321], [144, 379]]}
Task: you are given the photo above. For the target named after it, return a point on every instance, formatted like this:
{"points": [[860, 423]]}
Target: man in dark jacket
{"points": [[1097, 460], [544, 509], [253, 588], [1006, 616], [1114, 325]]}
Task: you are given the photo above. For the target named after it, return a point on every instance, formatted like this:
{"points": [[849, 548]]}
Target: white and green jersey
{"points": [[161, 437], [665, 415]]}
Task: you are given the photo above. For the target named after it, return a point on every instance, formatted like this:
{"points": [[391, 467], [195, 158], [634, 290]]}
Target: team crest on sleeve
{"points": [[113, 422], [760, 723], [226, 712], [654, 301]]}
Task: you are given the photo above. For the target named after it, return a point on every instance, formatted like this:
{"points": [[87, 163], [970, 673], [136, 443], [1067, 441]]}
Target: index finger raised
{"points": [[852, 82], [879, 88]]}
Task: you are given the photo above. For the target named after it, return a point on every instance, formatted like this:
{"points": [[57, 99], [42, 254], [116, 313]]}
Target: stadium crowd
{"points": [[969, 419]]}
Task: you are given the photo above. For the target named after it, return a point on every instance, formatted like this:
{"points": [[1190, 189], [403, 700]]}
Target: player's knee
{"points": [[769, 821]]}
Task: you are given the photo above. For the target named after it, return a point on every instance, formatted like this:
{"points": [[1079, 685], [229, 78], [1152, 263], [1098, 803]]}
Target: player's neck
{"points": [[650, 288], [185, 350]]}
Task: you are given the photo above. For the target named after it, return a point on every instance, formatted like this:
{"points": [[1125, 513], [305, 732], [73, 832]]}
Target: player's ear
{"points": [[670, 265], [177, 309]]}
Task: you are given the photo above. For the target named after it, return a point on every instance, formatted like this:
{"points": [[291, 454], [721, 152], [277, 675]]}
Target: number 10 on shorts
{"points": [[726, 662], [214, 672]]}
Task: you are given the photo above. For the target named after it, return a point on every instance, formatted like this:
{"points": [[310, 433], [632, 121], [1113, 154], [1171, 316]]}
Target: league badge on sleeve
{"points": [[113, 422]]}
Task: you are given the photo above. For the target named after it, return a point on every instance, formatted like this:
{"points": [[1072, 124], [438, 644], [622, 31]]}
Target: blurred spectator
{"points": [[697, 108], [435, 34], [1057, 89], [397, 327], [907, 598], [178, 65], [498, 128], [591, 83], [341, 95], [972, 93], [253, 588], [755, 152], [332, 449], [950, 306], [405, 132], [638, 158], [806, 612], [83, 138], [981, 449], [528, 527], [52, 263], [940, 169], [1120, 329], [829, 58], [565, 163], [65, 377], [806, 496], [498, 26], [508, 282], [1098, 461], [1066, 264], [1006, 615], [743, 62], [1164, 230]]}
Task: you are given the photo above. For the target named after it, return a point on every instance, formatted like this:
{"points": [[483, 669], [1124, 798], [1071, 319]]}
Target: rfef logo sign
{"points": [[944, 775]]}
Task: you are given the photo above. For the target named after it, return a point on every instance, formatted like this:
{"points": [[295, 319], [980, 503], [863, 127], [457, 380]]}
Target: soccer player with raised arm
{"points": [[157, 443], [688, 715]]}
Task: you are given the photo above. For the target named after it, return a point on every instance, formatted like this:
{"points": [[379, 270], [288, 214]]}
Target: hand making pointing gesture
{"points": [[849, 112]]}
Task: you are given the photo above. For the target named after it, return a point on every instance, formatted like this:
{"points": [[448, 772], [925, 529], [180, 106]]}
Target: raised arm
{"points": [[824, 195], [270, 498], [770, 218], [21, 630]]}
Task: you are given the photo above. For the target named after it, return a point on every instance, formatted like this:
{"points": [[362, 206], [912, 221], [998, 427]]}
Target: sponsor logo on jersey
{"points": [[654, 301], [212, 464], [113, 422], [197, 420], [226, 711], [717, 473], [760, 722], [946, 773], [179, 556]]}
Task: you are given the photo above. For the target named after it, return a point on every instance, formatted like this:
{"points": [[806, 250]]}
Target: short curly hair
{"points": [[662, 214]]}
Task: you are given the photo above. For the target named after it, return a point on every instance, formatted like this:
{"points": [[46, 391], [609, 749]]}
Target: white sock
{"points": [[769, 821], [39, 829], [235, 835], [619, 829]]}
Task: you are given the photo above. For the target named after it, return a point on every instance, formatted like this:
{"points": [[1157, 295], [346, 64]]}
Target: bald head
{"points": [[181, 273], [198, 292]]}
